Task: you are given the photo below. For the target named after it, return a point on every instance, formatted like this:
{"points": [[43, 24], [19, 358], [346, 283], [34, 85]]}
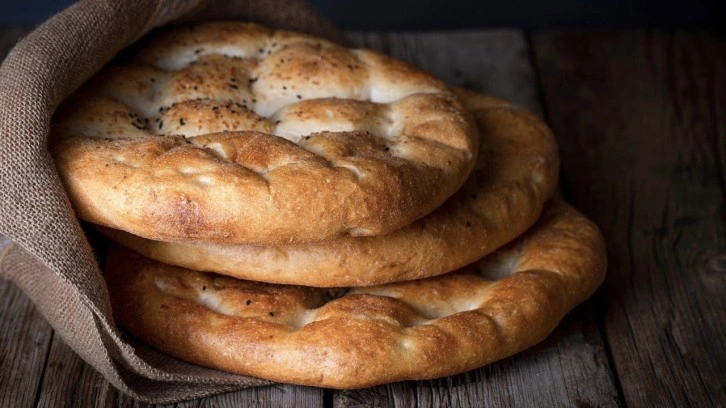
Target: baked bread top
{"points": [[236, 133], [419, 329], [515, 174]]}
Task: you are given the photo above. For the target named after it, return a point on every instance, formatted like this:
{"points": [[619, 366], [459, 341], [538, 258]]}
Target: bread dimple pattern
{"points": [[359, 337], [227, 83], [400, 305], [354, 110], [515, 173]]}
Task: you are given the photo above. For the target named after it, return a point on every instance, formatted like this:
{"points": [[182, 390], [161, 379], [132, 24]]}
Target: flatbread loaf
{"points": [[236, 133], [515, 174], [364, 336]]}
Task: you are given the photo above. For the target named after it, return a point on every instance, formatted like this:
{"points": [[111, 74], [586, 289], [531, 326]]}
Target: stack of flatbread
{"points": [[287, 208]]}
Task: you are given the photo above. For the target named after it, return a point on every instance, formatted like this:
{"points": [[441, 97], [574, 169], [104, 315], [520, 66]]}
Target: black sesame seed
{"points": [[181, 121], [204, 288], [233, 86], [277, 122], [284, 87], [252, 80], [272, 314], [254, 101], [196, 88], [153, 79], [261, 50], [298, 96], [161, 124], [248, 302], [468, 223]]}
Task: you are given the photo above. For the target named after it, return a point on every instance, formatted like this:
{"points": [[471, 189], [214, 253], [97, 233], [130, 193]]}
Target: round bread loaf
{"points": [[515, 174], [236, 133], [360, 337]]}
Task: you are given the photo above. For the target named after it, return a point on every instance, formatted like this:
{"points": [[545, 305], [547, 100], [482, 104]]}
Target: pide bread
{"points": [[359, 337], [290, 209], [515, 174], [236, 133]]}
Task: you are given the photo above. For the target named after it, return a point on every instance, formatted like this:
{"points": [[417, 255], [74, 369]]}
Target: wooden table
{"points": [[641, 121]]}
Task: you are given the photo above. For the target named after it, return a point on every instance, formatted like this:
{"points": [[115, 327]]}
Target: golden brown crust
{"points": [[234, 133], [516, 172], [412, 330]]}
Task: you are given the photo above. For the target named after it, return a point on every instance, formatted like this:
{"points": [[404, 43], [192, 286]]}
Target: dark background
{"points": [[452, 14]]}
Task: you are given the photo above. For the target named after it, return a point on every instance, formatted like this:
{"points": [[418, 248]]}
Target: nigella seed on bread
{"points": [[284, 142], [515, 174]]}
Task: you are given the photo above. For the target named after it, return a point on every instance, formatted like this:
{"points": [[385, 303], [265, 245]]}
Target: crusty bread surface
{"points": [[515, 174], [235, 133], [360, 337]]}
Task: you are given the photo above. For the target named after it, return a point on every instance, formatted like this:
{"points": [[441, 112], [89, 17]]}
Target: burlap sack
{"points": [[51, 259]]}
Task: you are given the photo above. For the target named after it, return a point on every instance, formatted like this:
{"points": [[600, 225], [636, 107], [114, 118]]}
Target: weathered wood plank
{"points": [[642, 121], [24, 334], [281, 395], [570, 368], [68, 381], [24, 341], [71, 382]]}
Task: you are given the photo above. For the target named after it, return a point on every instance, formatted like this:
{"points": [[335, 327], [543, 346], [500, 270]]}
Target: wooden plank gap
{"points": [[39, 386]]}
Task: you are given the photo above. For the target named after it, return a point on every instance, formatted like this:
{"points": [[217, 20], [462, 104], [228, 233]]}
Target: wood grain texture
{"points": [[68, 381], [570, 368], [642, 121], [24, 341], [71, 382]]}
